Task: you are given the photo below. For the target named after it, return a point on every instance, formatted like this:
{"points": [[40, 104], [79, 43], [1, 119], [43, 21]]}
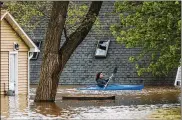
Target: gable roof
{"points": [[6, 15]]}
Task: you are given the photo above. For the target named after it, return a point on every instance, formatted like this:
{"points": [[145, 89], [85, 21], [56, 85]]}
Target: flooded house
{"points": [[86, 60], [16, 50]]}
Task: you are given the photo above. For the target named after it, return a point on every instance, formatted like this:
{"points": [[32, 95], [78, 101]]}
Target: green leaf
{"points": [[155, 27]]}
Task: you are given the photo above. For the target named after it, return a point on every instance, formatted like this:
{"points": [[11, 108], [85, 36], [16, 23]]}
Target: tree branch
{"points": [[65, 33], [81, 32]]}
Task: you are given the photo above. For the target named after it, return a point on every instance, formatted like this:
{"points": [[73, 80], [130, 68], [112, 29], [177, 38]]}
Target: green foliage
{"points": [[155, 27], [25, 11], [75, 15], [30, 14]]}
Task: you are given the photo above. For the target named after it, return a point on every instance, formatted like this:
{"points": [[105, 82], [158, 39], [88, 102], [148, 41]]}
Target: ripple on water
{"points": [[119, 112], [136, 104]]}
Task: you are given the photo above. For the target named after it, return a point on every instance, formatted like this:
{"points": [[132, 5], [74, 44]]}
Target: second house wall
{"points": [[82, 66]]}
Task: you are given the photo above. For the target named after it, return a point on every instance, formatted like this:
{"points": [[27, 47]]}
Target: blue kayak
{"points": [[114, 87]]}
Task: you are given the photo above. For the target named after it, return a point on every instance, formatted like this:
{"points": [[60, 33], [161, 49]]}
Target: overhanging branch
{"points": [[81, 32], [65, 33]]}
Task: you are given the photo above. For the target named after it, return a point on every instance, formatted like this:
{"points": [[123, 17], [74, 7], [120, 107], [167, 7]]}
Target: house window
{"points": [[36, 54], [102, 48]]}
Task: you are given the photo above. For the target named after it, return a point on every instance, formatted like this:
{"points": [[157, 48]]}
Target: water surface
{"points": [[136, 104]]}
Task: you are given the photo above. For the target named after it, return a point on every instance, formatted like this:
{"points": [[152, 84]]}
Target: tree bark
{"points": [[51, 64], [54, 57]]}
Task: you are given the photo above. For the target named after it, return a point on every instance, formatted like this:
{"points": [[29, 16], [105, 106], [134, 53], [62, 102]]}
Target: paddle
{"points": [[115, 70]]}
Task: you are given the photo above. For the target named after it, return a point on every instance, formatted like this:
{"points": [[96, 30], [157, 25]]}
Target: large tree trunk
{"points": [[51, 64], [54, 57]]}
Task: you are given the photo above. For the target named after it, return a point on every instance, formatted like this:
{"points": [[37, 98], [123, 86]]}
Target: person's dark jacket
{"points": [[101, 82]]}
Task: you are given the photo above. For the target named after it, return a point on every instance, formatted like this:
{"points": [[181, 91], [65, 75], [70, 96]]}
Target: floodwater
{"points": [[127, 105]]}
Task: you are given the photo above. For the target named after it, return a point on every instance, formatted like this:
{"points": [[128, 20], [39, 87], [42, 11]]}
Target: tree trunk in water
{"points": [[54, 57], [51, 64]]}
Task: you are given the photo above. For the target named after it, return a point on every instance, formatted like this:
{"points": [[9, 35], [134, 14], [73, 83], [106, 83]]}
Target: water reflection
{"points": [[46, 108], [131, 103], [13, 105], [4, 106]]}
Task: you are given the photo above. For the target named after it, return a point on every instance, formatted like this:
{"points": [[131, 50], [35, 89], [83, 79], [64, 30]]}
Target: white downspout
{"points": [[30, 55]]}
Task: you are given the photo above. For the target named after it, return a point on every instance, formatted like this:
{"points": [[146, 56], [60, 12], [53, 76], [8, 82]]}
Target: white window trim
{"points": [[16, 59]]}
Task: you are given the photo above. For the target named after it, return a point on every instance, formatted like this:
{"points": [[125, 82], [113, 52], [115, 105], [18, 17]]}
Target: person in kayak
{"points": [[101, 82]]}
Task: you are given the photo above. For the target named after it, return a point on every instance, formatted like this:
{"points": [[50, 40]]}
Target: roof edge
{"points": [[2, 16]]}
